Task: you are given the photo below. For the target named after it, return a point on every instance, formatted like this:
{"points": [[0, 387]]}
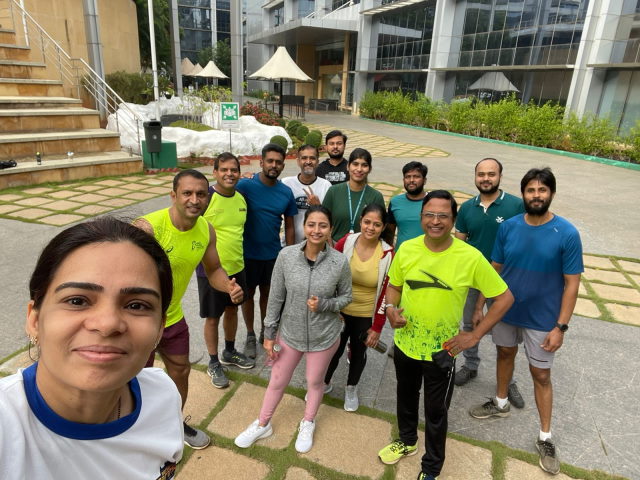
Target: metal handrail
{"points": [[75, 73]]}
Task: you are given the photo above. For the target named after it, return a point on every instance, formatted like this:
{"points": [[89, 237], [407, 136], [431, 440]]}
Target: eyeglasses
{"points": [[439, 216]]}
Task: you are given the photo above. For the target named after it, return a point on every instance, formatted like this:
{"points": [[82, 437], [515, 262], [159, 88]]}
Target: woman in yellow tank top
{"points": [[369, 258]]}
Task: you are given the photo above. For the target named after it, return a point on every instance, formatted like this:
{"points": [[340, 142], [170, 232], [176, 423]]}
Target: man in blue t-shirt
{"points": [[268, 201], [539, 255], [404, 209]]}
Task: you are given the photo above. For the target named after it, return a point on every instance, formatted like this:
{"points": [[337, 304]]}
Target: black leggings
{"points": [[353, 328]]}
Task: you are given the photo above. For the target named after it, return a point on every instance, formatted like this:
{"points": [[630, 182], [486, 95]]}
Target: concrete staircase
{"points": [[37, 115]]}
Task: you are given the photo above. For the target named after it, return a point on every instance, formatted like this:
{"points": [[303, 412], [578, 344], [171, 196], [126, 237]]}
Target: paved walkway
{"points": [[596, 419]]}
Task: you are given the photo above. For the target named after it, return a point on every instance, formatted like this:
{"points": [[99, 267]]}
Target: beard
{"points": [[336, 156], [415, 190], [488, 190], [538, 210]]}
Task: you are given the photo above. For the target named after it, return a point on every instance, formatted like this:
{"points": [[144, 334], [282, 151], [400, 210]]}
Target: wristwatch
{"points": [[563, 327]]}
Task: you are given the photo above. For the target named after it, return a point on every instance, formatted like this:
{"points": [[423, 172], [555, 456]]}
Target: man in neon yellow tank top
{"points": [[187, 238]]}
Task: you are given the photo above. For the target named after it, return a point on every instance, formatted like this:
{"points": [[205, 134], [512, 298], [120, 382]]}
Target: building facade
{"points": [[584, 54], [202, 23]]}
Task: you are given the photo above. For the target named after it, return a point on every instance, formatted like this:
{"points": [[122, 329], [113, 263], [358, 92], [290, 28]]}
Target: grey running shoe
{"points": [[464, 375], [514, 396], [250, 346], [237, 359], [195, 438], [490, 409], [351, 402], [218, 378], [549, 461]]}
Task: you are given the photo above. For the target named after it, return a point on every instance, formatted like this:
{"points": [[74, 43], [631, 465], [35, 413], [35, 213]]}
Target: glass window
{"points": [[199, 18], [195, 3], [305, 7], [223, 21]]}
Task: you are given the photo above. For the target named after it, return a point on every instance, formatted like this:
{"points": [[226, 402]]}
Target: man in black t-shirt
{"points": [[334, 168]]}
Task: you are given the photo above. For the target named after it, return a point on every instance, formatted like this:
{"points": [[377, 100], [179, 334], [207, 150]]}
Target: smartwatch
{"points": [[563, 327]]}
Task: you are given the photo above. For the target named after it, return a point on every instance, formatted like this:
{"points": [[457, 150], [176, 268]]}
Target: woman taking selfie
{"points": [[86, 408], [369, 258], [311, 282]]}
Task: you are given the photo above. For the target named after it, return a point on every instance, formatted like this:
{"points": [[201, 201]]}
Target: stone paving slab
{"points": [[61, 219], [9, 208], [296, 473], [110, 183], [611, 292], [62, 194], [248, 399], [33, 201], [118, 202], [30, 213], [139, 196], [63, 205], [519, 470], [587, 308], [463, 462], [92, 210], [598, 262], [10, 197], [89, 188], [630, 266], [114, 191], [605, 276], [37, 190], [624, 313], [348, 453], [222, 464], [89, 197]]}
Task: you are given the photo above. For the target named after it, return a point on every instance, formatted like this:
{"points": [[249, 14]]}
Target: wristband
{"points": [[389, 305]]}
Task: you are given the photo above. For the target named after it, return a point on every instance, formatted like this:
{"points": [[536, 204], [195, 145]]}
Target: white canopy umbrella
{"points": [[495, 81], [195, 70], [211, 71], [186, 66], [281, 67]]}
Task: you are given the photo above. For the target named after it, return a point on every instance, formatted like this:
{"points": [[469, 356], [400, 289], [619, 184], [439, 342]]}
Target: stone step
{"points": [[23, 69], [10, 51], [7, 36], [30, 87], [24, 145], [58, 168], [20, 102], [21, 120]]}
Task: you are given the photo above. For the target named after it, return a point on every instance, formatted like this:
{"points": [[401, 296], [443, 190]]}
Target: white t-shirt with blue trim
{"points": [[37, 443]]}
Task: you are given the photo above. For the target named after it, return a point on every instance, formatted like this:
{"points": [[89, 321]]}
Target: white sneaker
{"points": [[304, 442], [252, 433], [351, 402]]}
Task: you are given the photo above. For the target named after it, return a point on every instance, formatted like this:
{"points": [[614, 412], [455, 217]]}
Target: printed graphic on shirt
{"points": [[434, 283]]}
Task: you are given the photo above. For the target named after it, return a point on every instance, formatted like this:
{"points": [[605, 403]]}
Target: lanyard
{"points": [[352, 216]]}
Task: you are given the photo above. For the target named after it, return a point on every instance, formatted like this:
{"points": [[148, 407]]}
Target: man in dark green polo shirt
{"points": [[477, 223]]}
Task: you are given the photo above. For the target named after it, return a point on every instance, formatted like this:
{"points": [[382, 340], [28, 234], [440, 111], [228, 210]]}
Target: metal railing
{"points": [[76, 75]]}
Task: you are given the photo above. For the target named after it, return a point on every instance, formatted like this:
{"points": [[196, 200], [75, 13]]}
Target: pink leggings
{"points": [[282, 371]]}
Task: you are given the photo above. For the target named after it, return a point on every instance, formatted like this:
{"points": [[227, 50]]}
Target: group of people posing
{"points": [[106, 297]]}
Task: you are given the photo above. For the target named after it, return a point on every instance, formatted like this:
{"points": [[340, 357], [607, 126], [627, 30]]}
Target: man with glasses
{"points": [[307, 187], [428, 283]]}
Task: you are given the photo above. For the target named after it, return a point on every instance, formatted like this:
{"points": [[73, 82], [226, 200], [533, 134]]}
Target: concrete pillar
{"points": [[237, 73], [94, 48], [596, 47], [290, 10], [323, 7], [445, 48], [176, 52], [345, 71], [366, 53]]}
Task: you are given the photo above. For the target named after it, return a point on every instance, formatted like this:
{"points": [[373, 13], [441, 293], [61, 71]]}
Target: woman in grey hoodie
{"points": [[311, 283]]}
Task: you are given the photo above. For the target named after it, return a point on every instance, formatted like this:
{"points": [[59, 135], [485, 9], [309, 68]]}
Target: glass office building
{"points": [[202, 24], [582, 54]]}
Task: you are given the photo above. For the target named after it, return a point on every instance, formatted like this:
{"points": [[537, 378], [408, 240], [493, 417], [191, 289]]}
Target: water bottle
{"points": [[380, 347]]}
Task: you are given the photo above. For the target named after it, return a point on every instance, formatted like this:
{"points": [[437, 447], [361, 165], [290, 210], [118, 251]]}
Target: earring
{"points": [[33, 342]]}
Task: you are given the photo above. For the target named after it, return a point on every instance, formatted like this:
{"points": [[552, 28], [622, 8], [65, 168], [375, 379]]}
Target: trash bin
{"points": [[167, 158], [153, 135]]}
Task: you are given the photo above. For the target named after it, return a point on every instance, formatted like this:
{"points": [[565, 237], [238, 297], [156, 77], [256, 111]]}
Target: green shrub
{"points": [[280, 140], [541, 126], [314, 137], [500, 119], [372, 105], [633, 143], [132, 87], [590, 135], [302, 131], [198, 127], [292, 126], [281, 122]]}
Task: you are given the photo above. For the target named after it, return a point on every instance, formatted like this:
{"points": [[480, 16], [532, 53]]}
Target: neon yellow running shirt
{"points": [[184, 249], [228, 215], [434, 291]]}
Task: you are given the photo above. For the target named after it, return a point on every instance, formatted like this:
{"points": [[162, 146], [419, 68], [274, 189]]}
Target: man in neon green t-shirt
{"points": [[428, 283], [187, 239]]}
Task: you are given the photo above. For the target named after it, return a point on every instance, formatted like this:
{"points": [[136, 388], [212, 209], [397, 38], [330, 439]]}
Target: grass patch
{"points": [[195, 126]]}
